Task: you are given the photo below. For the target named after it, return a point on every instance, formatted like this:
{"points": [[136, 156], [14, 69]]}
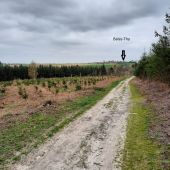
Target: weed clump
{"points": [[78, 87], [36, 88], [2, 89], [22, 92], [56, 91]]}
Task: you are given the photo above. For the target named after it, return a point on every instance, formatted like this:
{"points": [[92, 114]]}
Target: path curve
{"points": [[94, 141]]}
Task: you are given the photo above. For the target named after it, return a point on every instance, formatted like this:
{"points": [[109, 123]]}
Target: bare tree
{"points": [[32, 70]]}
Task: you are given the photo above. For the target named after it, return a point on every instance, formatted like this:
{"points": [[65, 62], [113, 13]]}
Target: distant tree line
{"points": [[33, 71], [8, 72], [156, 64]]}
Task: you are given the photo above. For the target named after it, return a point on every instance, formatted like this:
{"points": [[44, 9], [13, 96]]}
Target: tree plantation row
{"points": [[33, 71], [54, 85]]}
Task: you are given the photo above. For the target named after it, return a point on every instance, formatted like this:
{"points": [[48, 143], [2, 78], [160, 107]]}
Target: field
{"points": [[33, 110], [20, 96]]}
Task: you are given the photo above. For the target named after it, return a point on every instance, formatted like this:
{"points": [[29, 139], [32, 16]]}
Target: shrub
{"points": [[2, 89], [18, 82], [43, 84], [85, 83], [36, 88], [25, 95], [38, 81], [78, 87], [64, 82], [22, 92], [94, 82], [89, 82], [49, 84], [56, 90], [65, 87]]}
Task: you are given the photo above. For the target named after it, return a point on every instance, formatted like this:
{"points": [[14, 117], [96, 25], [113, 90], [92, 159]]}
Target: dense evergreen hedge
{"points": [[8, 72]]}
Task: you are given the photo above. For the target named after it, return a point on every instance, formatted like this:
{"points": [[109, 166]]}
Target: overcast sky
{"points": [[69, 31]]}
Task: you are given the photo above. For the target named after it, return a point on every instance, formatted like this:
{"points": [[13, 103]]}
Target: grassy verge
{"points": [[22, 137], [141, 152]]}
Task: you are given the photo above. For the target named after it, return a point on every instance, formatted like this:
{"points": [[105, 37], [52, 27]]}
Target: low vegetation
{"points": [[141, 151], [2, 90], [157, 94], [20, 96], [21, 136], [22, 92]]}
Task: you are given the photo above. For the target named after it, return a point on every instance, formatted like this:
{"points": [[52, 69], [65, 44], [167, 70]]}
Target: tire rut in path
{"points": [[94, 141]]}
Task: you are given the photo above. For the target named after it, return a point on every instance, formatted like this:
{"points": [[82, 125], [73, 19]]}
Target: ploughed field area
{"points": [[33, 110]]}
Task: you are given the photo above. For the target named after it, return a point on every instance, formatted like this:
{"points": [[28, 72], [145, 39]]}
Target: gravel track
{"points": [[94, 141]]}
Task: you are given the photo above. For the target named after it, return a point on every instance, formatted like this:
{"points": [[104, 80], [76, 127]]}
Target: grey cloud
{"points": [[40, 8], [113, 16], [70, 24], [77, 16], [67, 43]]}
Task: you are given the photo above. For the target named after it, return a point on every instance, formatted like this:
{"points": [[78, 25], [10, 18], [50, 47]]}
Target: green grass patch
{"points": [[22, 137], [141, 152]]}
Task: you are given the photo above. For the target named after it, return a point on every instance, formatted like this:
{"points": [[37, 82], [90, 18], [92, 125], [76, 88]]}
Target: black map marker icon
{"points": [[123, 55]]}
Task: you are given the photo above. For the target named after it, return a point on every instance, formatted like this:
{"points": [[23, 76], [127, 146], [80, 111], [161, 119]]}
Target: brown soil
{"points": [[158, 94], [14, 108]]}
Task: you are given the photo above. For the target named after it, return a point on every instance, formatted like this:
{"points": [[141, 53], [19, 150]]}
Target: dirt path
{"points": [[94, 141]]}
